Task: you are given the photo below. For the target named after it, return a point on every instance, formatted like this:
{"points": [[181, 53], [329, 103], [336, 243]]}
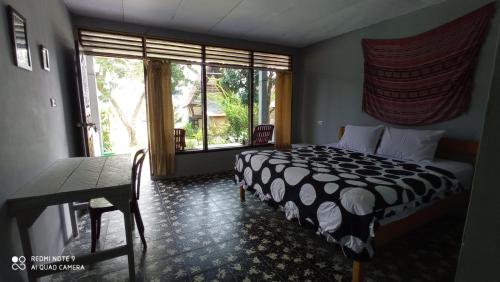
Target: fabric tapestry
{"points": [[342, 193], [427, 78]]}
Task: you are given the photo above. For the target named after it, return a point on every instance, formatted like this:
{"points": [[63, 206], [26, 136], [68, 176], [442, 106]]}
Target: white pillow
{"points": [[363, 139], [409, 144]]}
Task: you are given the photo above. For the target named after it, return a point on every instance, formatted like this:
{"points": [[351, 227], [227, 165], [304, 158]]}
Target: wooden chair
{"points": [[99, 206], [262, 134], [180, 139]]}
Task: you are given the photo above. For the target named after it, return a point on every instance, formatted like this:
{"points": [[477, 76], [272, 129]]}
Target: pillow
{"points": [[363, 139], [409, 144]]}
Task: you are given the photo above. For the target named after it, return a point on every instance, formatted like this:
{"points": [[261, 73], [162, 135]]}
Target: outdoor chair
{"points": [[262, 134], [180, 139]]}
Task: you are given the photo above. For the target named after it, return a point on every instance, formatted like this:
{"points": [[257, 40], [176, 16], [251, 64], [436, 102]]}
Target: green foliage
{"points": [[235, 81], [237, 116], [191, 130], [236, 112], [105, 128], [194, 136], [191, 143], [218, 133], [178, 79]]}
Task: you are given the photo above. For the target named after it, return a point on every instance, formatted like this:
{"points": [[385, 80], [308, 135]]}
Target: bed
{"points": [[358, 200]]}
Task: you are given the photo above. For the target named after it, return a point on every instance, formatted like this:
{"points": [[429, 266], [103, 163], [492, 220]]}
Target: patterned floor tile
{"points": [[198, 230]]}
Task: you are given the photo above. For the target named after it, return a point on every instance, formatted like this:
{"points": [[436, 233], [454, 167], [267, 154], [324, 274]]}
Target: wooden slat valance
{"points": [[108, 44], [105, 43]]}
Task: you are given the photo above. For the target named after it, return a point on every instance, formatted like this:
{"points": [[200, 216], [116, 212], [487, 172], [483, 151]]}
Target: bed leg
{"points": [[242, 194], [357, 272]]}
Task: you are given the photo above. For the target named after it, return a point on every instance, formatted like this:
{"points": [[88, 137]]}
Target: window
{"points": [[187, 102], [219, 94], [264, 97], [227, 106]]}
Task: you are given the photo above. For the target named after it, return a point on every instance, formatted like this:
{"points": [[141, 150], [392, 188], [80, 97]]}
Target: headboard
{"points": [[450, 148]]}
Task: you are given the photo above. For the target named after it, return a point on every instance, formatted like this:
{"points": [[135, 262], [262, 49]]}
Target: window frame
{"points": [[251, 67]]}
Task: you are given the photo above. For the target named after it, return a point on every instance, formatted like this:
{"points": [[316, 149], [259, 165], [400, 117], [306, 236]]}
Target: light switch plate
{"points": [[53, 102]]}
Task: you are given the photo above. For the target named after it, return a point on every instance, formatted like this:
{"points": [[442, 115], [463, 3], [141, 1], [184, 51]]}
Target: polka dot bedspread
{"points": [[341, 193]]}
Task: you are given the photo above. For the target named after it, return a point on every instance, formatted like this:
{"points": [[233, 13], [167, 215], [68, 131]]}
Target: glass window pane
{"points": [[264, 97], [187, 102], [227, 106]]}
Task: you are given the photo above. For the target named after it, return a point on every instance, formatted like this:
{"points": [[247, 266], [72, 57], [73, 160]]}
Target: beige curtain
{"points": [[283, 115], [160, 118]]}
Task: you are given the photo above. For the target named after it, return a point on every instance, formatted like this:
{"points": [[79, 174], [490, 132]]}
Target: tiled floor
{"points": [[198, 230]]}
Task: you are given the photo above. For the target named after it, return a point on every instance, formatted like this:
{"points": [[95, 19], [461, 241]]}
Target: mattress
{"points": [[343, 193], [464, 173]]}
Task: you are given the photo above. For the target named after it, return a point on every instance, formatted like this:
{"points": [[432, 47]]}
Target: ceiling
{"points": [[295, 23]]}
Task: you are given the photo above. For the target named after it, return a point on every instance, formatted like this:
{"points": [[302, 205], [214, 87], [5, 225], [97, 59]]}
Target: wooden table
{"points": [[76, 180]]}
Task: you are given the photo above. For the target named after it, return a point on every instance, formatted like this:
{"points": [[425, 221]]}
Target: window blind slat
{"points": [[227, 62], [168, 47], [110, 52], [175, 58], [112, 46], [229, 58], [172, 43], [266, 59], [86, 38], [111, 35], [172, 51]]}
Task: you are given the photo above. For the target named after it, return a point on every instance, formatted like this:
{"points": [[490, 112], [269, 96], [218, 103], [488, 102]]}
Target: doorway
{"points": [[118, 104]]}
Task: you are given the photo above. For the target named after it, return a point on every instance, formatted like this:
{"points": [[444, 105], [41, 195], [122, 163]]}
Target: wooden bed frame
{"points": [[448, 148]]}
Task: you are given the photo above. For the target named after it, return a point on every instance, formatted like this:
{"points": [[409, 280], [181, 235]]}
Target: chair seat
{"points": [[100, 203]]}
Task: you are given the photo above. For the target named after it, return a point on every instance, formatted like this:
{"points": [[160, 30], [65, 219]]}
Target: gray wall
{"points": [[32, 133], [480, 253], [332, 80], [207, 162]]}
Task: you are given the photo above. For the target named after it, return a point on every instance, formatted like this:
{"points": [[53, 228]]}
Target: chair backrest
{"points": [[136, 172], [180, 139], [263, 133]]}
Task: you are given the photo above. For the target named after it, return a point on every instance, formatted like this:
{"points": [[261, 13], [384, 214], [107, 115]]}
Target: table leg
{"points": [[24, 221]]}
